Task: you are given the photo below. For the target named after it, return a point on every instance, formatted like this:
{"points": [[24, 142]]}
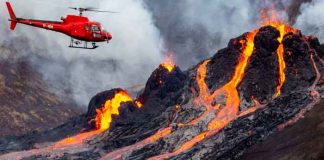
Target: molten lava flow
{"points": [[230, 111], [69, 145], [283, 29], [77, 139], [161, 133], [119, 153], [282, 67], [168, 63], [204, 94], [111, 107]]}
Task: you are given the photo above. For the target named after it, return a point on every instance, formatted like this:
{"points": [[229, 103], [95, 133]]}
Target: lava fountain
{"points": [[168, 63]]}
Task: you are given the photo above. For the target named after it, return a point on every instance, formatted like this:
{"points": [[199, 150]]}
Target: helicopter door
{"points": [[95, 31]]}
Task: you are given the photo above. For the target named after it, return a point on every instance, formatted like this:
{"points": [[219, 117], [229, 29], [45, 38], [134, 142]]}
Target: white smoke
{"points": [[196, 29], [132, 55], [310, 20], [221, 18]]}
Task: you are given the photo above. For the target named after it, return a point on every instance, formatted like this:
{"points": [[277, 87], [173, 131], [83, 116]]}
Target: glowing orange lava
{"points": [[168, 63], [77, 139], [111, 107], [283, 29], [161, 133], [204, 94], [119, 153]]}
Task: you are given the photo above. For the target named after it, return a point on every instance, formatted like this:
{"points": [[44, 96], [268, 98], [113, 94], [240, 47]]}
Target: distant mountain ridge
{"points": [[26, 104]]}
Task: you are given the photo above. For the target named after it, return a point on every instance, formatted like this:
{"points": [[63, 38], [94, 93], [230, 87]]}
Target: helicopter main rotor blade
{"points": [[102, 11], [85, 9], [90, 9]]}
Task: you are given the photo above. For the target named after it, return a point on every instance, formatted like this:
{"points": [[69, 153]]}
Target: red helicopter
{"points": [[78, 27]]}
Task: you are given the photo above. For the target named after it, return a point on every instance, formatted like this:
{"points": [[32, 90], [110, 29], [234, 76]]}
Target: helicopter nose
{"points": [[108, 35]]}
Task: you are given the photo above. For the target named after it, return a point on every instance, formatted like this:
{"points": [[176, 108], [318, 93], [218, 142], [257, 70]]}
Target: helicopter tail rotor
{"points": [[13, 17]]}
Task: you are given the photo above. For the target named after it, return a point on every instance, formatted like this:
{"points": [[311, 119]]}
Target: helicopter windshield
{"points": [[95, 28]]}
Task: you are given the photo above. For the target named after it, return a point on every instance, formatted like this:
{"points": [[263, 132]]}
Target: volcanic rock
{"points": [[300, 72], [217, 74], [261, 76], [163, 83]]}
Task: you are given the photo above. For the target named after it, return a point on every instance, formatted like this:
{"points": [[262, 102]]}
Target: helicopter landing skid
{"points": [[76, 44]]}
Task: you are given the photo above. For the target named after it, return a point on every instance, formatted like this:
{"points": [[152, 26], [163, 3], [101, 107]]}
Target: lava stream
{"points": [[318, 74], [119, 153], [71, 145], [282, 67], [77, 139], [283, 29]]}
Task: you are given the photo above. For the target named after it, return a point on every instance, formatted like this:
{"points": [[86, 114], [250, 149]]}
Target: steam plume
{"points": [[310, 19]]}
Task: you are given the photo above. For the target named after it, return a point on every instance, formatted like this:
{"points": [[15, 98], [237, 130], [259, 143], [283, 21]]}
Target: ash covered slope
{"points": [[215, 110], [25, 100], [303, 140]]}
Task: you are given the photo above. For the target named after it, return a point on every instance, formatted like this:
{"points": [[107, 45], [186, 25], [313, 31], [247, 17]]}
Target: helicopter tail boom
{"points": [[13, 17]]}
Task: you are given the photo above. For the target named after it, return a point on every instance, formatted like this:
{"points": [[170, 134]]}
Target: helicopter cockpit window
{"points": [[95, 28]]}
